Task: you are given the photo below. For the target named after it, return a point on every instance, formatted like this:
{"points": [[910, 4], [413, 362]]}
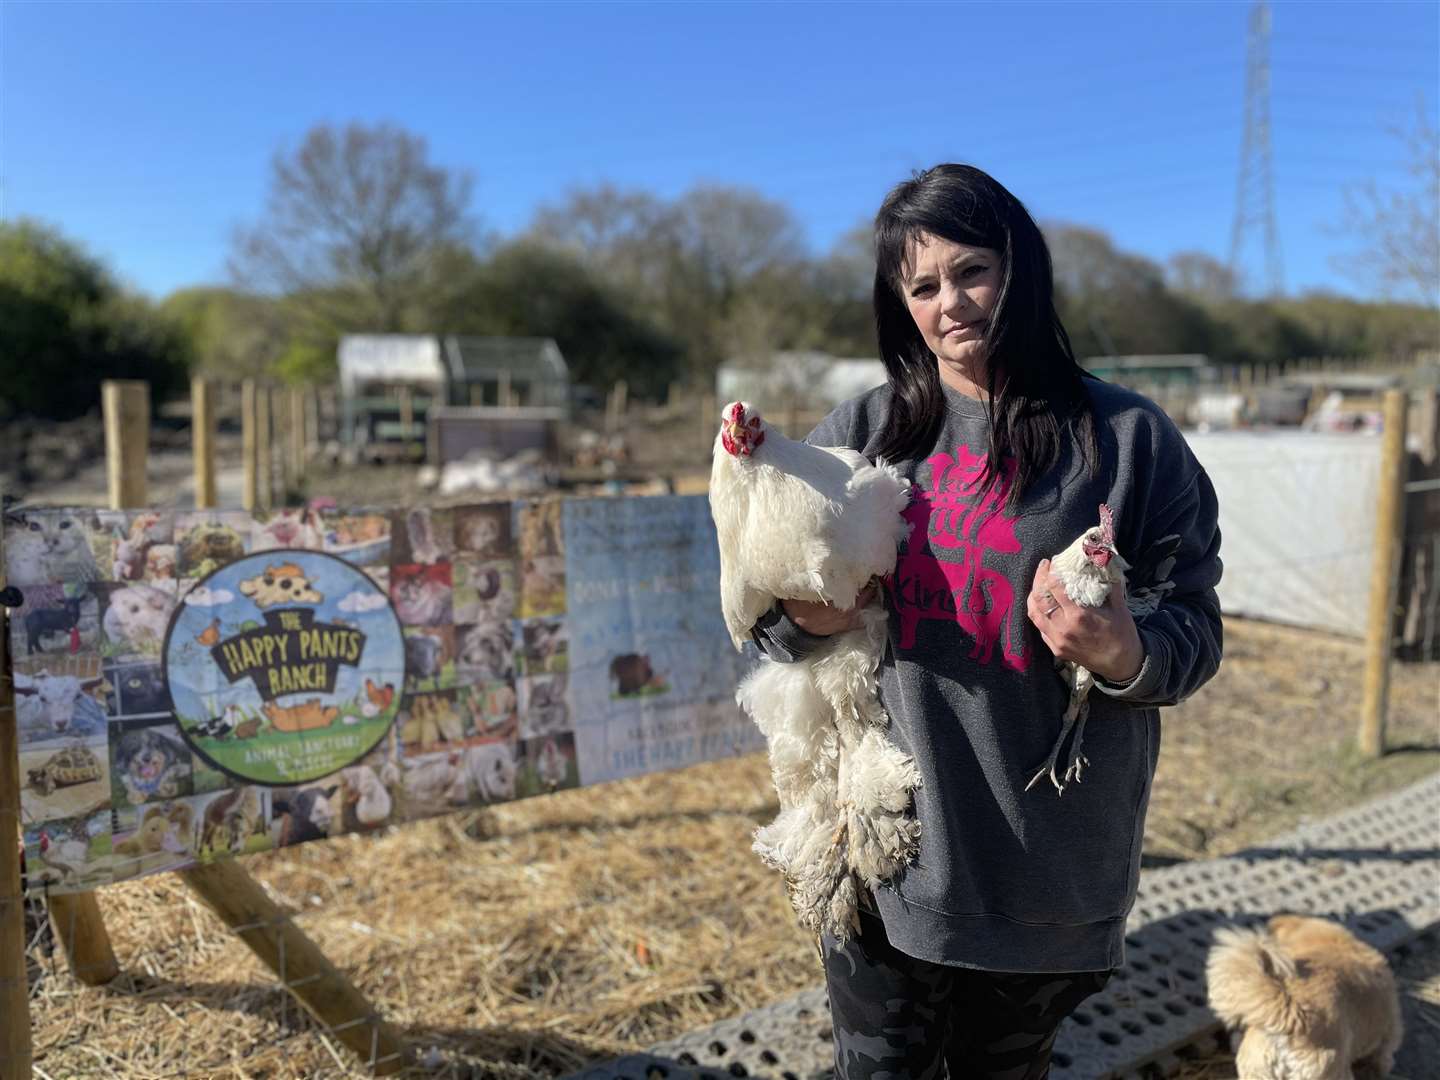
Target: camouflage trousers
{"points": [[899, 1018]]}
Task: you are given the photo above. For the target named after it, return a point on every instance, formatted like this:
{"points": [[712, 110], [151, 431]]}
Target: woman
{"points": [[1014, 910]]}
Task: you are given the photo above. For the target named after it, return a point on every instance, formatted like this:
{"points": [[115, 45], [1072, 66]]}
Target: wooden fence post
{"points": [[264, 449], [202, 440], [312, 422], [15, 1058], [127, 440], [1384, 576], [250, 496], [81, 929], [297, 436]]}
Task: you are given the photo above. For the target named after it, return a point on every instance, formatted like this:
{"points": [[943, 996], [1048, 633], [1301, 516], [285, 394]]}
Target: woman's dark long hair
{"points": [[1034, 381]]}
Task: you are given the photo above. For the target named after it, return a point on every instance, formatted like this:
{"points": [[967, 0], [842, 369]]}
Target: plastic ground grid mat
{"points": [[1375, 868]]}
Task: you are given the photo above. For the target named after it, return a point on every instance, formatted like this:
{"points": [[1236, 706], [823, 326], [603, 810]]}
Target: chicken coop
{"points": [[392, 384], [388, 383], [507, 372]]}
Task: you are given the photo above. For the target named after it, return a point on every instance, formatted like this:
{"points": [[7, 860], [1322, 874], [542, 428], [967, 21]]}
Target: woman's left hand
{"points": [[1103, 639]]}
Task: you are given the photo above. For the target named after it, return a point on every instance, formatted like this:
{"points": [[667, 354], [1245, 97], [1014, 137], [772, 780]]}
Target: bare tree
{"points": [[1201, 276], [704, 267], [1401, 228], [352, 224], [628, 237]]}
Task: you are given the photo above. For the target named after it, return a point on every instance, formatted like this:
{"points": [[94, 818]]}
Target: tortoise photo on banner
{"points": [[267, 661]]}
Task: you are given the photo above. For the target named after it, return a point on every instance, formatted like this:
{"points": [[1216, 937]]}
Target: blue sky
{"points": [[145, 131]]}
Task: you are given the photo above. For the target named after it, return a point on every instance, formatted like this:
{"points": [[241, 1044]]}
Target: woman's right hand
{"points": [[823, 620]]}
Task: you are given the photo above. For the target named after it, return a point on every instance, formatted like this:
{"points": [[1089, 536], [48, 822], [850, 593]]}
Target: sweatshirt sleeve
{"points": [[1171, 590], [775, 634]]}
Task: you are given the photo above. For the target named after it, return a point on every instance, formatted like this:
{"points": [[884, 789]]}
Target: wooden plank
{"points": [[250, 496], [14, 992], [264, 450], [127, 440], [302, 968], [298, 440], [202, 440], [81, 929], [1384, 576], [312, 422]]}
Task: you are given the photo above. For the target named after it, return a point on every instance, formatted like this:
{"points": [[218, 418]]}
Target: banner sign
{"points": [[191, 686]]}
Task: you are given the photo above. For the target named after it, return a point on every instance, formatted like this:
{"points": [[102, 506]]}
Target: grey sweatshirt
{"points": [[1005, 879]]}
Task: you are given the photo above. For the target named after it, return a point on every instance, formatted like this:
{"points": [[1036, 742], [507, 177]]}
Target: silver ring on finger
{"points": [[1052, 610]]}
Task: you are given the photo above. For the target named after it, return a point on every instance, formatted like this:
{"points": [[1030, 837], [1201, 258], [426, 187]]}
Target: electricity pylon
{"points": [[1255, 188]]}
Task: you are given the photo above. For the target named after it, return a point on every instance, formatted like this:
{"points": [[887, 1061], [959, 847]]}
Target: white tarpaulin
{"points": [[1297, 524]]}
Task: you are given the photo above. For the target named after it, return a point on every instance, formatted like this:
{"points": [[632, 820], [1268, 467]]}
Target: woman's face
{"points": [[950, 289]]}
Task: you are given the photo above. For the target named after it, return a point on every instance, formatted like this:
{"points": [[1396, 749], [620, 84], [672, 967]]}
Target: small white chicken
{"points": [[796, 521], [1089, 568]]}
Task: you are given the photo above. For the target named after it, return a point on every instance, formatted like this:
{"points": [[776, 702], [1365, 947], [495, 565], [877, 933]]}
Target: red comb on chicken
{"points": [[741, 431], [1101, 549]]}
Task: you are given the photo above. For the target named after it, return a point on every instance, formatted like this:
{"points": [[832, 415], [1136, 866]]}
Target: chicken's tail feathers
{"points": [[1247, 971]]}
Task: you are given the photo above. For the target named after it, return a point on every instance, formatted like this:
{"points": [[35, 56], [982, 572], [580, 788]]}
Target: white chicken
{"points": [[1089, 568], [796, 521]]}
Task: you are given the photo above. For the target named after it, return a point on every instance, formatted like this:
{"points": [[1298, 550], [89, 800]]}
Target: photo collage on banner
{"points": [[192, 685]]}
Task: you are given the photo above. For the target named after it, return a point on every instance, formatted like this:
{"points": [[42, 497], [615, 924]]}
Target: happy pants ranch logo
{"points": [[285, 666]]}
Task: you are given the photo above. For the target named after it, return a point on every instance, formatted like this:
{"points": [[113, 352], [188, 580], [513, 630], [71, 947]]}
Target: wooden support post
{"points": [[301, 967], [312, 423], [297, 436], [1384, 576], [264, 451], [284, 476], [81, 929], [502, 390], [14, 992], [407, 411], [250, 496], [202, 440], [127, 440]]}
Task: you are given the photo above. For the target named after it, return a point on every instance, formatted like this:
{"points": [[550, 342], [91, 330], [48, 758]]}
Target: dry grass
{"points": [[526, 940]]}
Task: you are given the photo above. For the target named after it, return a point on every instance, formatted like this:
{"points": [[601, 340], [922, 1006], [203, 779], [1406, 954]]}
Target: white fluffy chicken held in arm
{"points": [[804, 522], [1089, 568]]}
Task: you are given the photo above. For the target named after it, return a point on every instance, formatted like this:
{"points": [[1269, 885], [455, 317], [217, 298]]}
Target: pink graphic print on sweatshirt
{"points": [[943, 575]]}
